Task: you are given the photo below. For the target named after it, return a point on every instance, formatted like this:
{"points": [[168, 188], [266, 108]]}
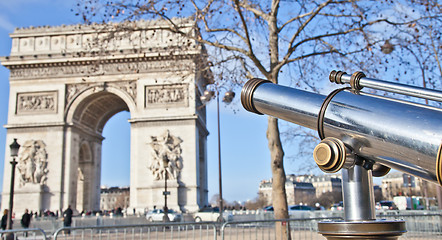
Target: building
{"points": [[400, 184], [323, 183], [297, 192], [64, 89], [114, 197]]}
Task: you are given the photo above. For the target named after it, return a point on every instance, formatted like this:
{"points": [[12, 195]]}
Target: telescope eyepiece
{"points": [[330, 155], [247, 94]]}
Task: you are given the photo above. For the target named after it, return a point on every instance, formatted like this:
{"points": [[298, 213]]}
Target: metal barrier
{"points": [[201, 231], [28, 233], [420, 225], [265, 229]]}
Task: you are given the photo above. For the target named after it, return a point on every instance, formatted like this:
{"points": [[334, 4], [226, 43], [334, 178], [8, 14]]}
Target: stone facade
{"points": [[323, 183], [297, 192], [113, 198], [64, 87], [302, 188], [401, 184]]}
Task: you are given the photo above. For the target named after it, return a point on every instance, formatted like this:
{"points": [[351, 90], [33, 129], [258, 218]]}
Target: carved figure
{"points": [[165, 95], [72, 89], [166, 153], [36, 102], [32, 162]]}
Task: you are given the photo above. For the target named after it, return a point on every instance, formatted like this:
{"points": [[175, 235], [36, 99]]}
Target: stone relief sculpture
{"points": [[160, 96], [72, 90], [128, 86], [34, 102], [32, 162], [166, 153], [143, 66]]}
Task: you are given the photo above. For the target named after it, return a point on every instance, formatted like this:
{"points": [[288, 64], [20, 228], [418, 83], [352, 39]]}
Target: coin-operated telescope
{"points": [[363, 135]]}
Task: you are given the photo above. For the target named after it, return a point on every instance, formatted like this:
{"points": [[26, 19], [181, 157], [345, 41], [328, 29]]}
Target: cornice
{"points": [[90, 66], [32, 31], [25, 63], [35, 125], [162, 119]]}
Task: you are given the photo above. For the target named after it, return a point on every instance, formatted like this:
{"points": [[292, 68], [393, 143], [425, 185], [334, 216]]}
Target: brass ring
{"points": [[336, 76], [439, 165], [321, 114], [247, 94], [354, 80]]}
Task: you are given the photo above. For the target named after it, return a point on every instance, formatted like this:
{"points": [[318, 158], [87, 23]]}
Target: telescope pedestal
{"points": [[381, 229], [359, 211]]}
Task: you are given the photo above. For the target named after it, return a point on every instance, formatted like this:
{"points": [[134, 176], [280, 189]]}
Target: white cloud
{"points": [[6, 24], [16, 5]]}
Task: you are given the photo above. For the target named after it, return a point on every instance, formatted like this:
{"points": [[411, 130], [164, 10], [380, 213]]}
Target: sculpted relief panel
{"points": [[92, 68], [166, 153], [32, 162], [166, 96], [130, 87], [37, 102]]}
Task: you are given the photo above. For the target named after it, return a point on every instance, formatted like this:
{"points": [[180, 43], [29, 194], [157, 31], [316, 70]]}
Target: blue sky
{"points": [[245, 156]]}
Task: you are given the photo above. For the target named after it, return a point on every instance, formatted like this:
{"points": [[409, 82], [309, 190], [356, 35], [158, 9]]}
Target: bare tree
{"points": [[258, 203], [326, 199], [413, 55], [293, 42]]}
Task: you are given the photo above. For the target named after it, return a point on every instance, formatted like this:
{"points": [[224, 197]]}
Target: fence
{"points": [[151, 231], [420, 225], [30, 233], [265, 229]]}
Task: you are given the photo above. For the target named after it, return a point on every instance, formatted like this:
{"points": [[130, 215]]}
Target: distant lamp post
{"points": [[228, 98], [14, 153], [387, 48], [165, 193]]}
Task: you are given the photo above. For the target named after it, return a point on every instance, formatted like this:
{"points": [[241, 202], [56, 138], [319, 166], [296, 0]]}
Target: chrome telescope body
{"points": [[379, 132]]}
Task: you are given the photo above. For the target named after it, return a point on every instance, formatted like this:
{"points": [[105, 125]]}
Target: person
{"points": [[26, 220], [4, 221], [67, 218]]}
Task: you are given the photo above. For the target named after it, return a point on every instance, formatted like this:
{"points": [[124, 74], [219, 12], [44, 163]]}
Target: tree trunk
{"points": [[279, 196]]}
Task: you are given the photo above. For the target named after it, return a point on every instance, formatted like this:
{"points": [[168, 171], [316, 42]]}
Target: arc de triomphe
{"points": [[63, 90]]}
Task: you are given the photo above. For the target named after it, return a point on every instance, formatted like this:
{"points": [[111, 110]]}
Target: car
{"points": [[337, 206], [157, 215], [387, 205], [300, 208], [268, 209], [211, 215], [299, 211]]}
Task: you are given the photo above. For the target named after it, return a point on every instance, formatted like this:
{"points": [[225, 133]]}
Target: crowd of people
{"points": [[25, 220]]}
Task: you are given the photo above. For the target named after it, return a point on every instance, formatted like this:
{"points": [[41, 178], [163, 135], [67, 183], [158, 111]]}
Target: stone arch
{"points": [[89, 103], [87, 115], [64, 95]]}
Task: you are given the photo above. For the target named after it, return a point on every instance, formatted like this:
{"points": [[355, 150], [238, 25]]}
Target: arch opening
{"points": [[90, 117], [94, 111], [115, 166]]}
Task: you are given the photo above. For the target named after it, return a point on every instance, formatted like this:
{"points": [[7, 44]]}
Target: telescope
{"points": [[362, 134]]}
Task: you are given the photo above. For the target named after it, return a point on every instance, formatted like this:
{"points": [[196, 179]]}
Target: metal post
{"points": [[359, 211], [11, 194], [357, 192], [221, 205], [165, 193]]}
